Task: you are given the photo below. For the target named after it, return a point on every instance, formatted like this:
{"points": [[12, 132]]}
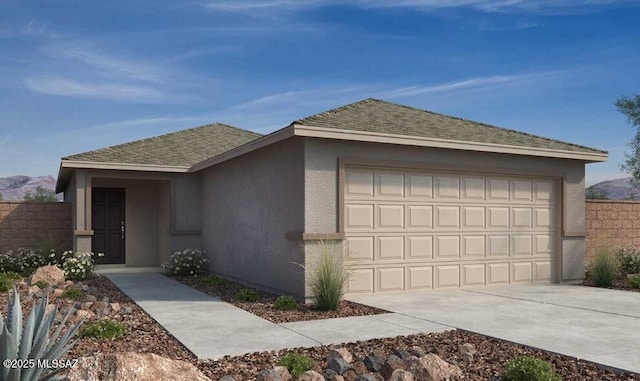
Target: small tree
{"points": [[630, 107], [41, 195], [0, 196], [592, 193]]}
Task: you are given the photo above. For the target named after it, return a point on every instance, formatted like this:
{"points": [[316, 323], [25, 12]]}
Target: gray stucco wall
{"points": [[321, 181], [249, 204], [187, 207]]}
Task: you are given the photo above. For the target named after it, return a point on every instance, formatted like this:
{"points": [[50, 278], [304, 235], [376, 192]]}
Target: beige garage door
{"points": [[410, 230]]}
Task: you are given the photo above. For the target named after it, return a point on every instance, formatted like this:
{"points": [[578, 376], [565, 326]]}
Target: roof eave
{"points": [[333, 133]]}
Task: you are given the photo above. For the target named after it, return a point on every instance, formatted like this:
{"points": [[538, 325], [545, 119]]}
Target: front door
{"points": [[108, 223]]}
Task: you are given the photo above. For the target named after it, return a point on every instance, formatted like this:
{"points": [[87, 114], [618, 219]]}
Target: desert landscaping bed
{"points": [[264, 308], [618, 284], [147, 336]]}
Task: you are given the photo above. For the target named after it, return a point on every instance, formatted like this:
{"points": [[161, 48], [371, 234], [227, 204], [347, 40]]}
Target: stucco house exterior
{"points": [[421, 200]]}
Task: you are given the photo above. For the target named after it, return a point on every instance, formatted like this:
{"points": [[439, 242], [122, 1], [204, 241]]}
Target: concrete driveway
{"points": [[598, 325]]}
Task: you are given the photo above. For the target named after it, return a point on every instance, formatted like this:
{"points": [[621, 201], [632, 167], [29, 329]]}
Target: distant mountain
{"points": [[618, 189], [13, 188]]}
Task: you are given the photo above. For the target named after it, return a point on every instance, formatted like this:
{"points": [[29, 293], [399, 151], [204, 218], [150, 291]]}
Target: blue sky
{"points": [[79, 75]]}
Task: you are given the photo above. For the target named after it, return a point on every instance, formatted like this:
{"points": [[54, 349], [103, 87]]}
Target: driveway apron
{"points": [[602, 326]]}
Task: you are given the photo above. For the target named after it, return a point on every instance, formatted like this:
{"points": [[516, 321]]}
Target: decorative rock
{"points": [[417, 351], [403, 354], [126, 310], [67, 310], [83, 287], [84, 314], [90, 298], [311, 375], [373, 363], [69, 283], [329, 374], [401, 375], [268, 375], [359, 367], [393, 362], [350, 375], [283, 372], [86, 305], [50, 274], [101, 308], [432, 368], [133, 366], [227, 378], [466, 352], [57, 292], [339, 378], [34, 290], [370, 377], [115, 307], [342, 353], [338, 365]]}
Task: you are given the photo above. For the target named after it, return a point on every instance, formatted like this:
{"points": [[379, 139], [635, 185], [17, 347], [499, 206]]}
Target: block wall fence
{"points": [[615, 223], [34, 224]]}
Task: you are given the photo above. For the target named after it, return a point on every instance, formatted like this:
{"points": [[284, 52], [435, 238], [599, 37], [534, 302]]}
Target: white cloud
{"points": [[472, 84], [118, 92], [110, 65]]}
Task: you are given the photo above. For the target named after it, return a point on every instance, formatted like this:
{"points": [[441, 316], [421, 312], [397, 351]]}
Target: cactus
{"points": [[32, 341]]}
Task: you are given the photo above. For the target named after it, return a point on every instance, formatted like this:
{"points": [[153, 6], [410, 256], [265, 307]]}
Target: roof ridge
{"points": [[375, 100], [151, 138]]}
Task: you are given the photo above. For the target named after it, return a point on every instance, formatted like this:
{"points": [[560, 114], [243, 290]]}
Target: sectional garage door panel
{"points": [[409, 230]]}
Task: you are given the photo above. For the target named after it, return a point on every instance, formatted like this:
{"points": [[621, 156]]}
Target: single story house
{"points": [[422, 200]]}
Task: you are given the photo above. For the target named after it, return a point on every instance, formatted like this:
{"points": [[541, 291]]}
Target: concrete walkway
{"points": [[211, 328], [599, 325]]}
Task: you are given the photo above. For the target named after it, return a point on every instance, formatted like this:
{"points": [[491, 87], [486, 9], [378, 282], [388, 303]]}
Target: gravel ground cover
{"points": [[619, 284], [146, 335], [264, 308]]}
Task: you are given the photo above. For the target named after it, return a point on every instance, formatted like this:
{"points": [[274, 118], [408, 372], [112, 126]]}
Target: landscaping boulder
{"points": [[84, 314], [401, 375], [227, 378], [126, 366], [50, 274], [311, 375], [392, 363], [283, 372], [338, 365], [342, 353], [268, 375], [57, 292], [417, 351], [432, 368], [369, 377], [373, 363], [466, 352], [329, 374], [403, 354]]}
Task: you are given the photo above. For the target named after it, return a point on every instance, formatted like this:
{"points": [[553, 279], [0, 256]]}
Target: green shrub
{"points": [[527, 368], [328, 272], [13, 275], [41, 284], [186, 262], [78, 266], [213, 280], [604, 268], [634, 282], [629, 259], [296, 364], [247, 295], [72, 293], [33, 340], [5, 282], [105, 329], [285, 302]]}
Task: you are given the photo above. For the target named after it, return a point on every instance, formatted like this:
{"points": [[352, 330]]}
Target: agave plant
{"points": [[32, 343]]}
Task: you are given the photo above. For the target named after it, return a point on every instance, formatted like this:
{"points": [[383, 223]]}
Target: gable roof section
{"points": [[176, 149], [381, 117]]}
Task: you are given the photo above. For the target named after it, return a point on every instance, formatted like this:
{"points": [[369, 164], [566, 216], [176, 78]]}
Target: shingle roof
{"points": [[373, 115], [180, 148]]}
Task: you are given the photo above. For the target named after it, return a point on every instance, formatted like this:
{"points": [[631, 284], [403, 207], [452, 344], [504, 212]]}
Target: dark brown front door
{"points": [[108, 223]]}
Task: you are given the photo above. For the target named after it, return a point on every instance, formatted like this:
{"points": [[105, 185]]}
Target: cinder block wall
{"points": [[613, 223], [32, 224]]}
